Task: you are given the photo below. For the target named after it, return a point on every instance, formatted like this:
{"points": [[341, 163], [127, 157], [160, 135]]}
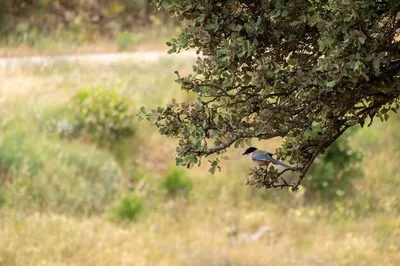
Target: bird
{"points": [[263, 158]]}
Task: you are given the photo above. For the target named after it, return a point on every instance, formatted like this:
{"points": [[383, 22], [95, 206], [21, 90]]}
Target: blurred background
{"points": [[83, 182]]}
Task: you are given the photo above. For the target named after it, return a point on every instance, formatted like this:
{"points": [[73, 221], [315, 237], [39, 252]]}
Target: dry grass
{"points": [[212, 225], [100, 46], [194, 235]]}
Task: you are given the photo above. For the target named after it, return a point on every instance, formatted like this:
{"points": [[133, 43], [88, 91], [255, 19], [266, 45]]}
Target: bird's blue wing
{"points": [[268, 158], [262, 157]]}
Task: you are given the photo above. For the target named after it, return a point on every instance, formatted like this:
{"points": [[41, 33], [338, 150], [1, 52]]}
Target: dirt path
{"points": [[14, 62]]}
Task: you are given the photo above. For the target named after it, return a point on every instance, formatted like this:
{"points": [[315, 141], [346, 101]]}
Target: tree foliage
{"points": [[47, 16], [303, 70]]}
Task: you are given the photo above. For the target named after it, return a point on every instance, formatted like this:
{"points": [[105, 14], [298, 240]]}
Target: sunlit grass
{"points": [[50, 220], [64, 41]]}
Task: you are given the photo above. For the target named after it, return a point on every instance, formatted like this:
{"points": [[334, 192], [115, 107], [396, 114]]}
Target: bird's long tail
{"points": [[279, 163]]}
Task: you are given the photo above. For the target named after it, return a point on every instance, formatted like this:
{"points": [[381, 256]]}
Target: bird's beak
{"points": [[243, 153]]}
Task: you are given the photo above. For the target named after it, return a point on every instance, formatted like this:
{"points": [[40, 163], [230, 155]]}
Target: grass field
{"points": [[66, 42], [59, 194]]}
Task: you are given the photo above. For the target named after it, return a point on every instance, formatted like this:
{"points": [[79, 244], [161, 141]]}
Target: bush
{"points": [[128, 208], [177, 182], [105, 115], [332, 174], [19, 150], [97, 114], [125, 40], [3, 198], [46, 173]]}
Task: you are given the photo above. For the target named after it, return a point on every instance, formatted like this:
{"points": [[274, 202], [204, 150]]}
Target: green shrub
{"points": [[3, 198], [125, 40], [48, 173], [18, 150], [128, 208], [331, 175], [97, 114], [177, 182], [103, 114]]}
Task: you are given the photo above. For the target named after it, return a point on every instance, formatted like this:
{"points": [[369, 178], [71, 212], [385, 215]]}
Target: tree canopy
{"points": [[303, 70]]}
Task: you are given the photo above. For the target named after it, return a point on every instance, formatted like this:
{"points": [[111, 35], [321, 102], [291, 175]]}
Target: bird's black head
{"points": [[249, 150]]}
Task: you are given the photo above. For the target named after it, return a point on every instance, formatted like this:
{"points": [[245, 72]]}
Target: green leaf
{"points": [[376, 62], [386, 116], [248, 142], [212, 170], [331, 84], [179, 161]]}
